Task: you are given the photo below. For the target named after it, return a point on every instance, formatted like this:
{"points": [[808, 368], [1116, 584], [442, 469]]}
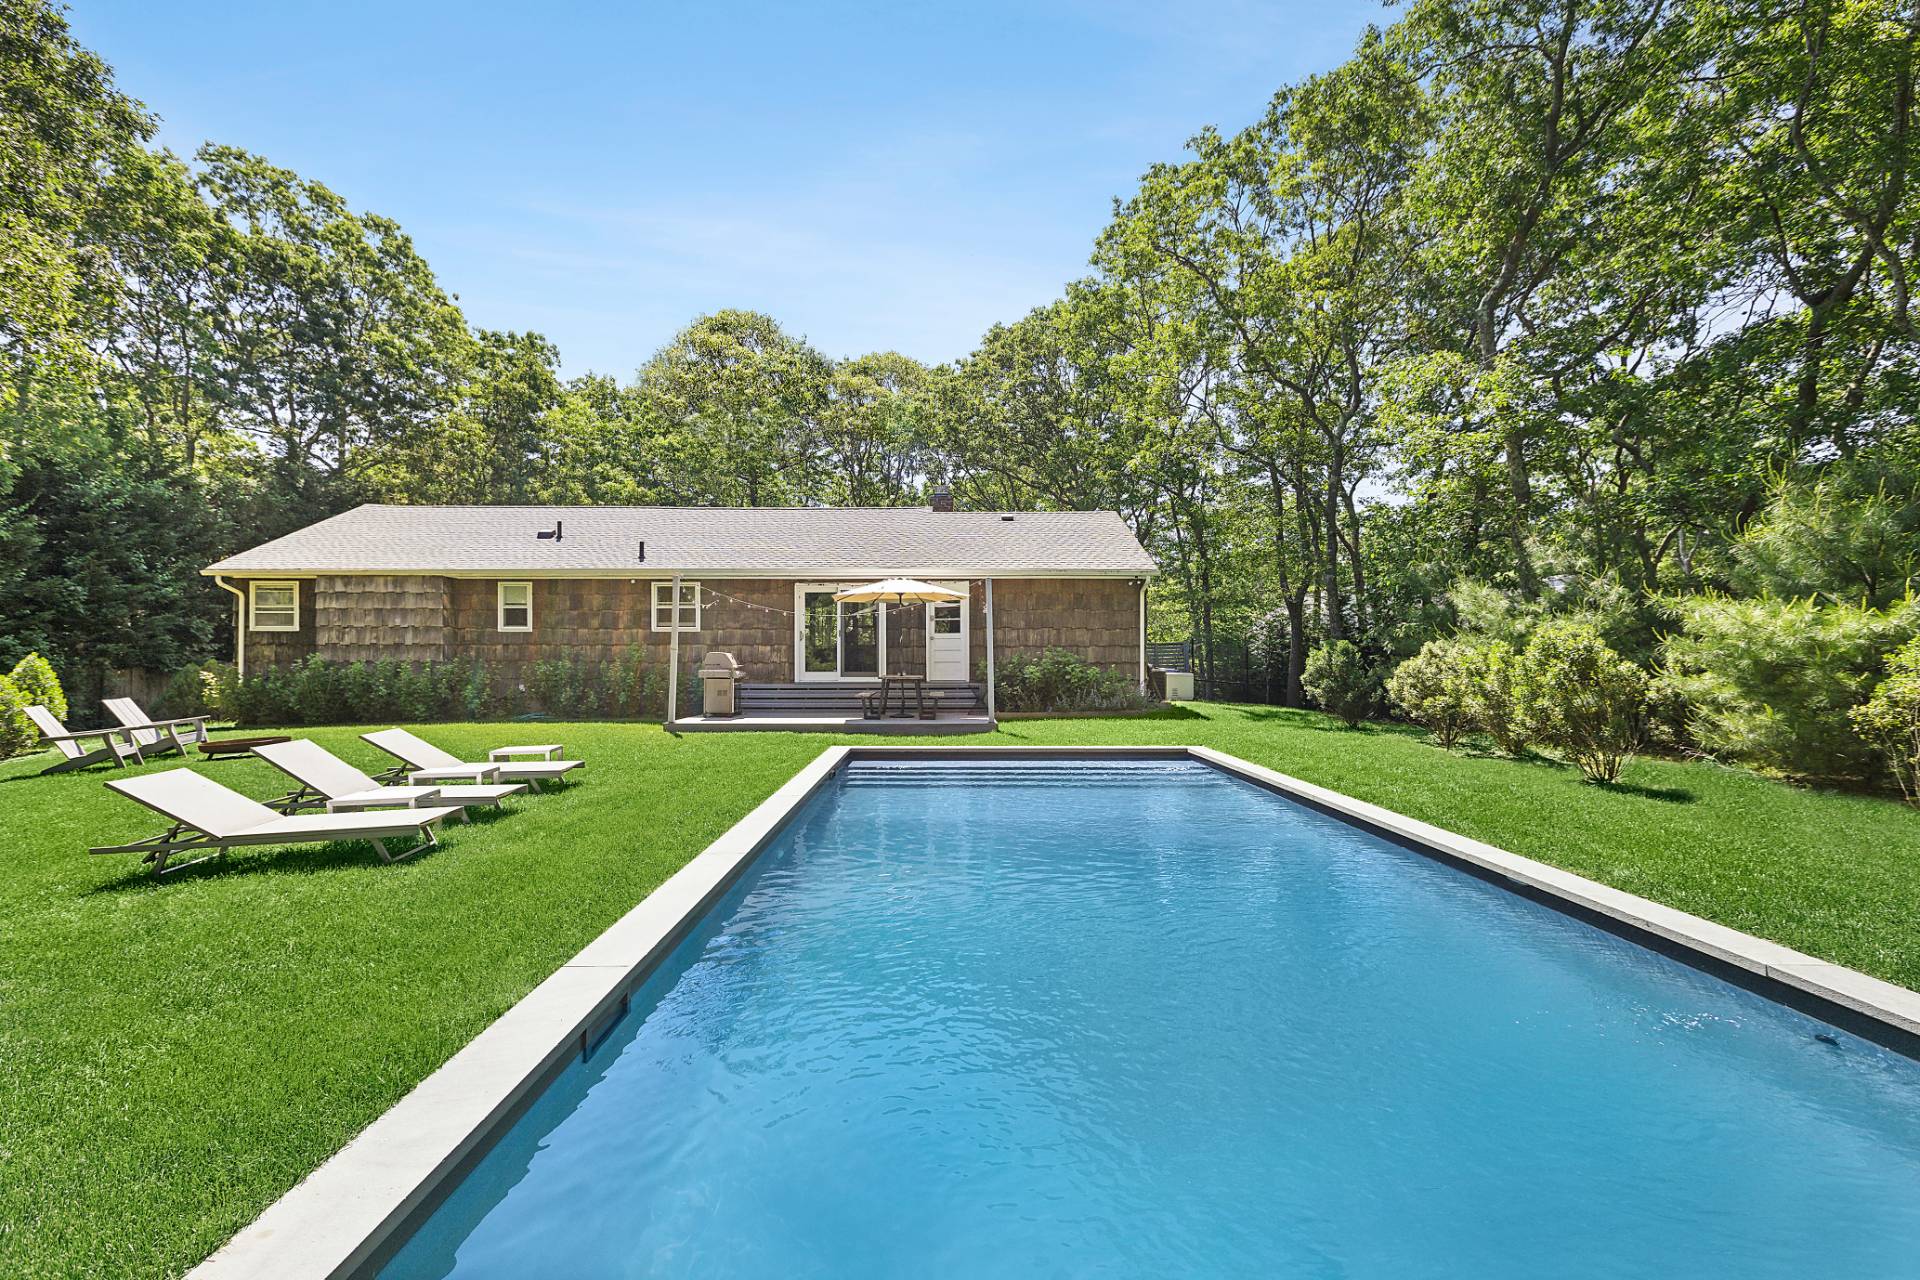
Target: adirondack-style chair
{"points": [[116, 745], [157, 737]]}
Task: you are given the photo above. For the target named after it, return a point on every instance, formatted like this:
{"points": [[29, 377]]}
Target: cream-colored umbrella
{"points": [[898, 591]]}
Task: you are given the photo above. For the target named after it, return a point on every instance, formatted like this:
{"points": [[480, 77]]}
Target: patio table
{"points": [[426, 799], [902, 682]]}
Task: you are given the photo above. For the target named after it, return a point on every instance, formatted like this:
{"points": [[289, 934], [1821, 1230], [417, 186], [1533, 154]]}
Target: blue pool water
{"points": [[1143, 1019]]}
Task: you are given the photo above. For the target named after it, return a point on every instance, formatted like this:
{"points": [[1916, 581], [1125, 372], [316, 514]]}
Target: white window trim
{"points": [[253, 604], [659, 599], [500, 605]]}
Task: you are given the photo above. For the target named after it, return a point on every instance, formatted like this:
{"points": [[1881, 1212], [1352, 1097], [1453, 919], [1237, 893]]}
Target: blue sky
{"points": [[876, 177]]}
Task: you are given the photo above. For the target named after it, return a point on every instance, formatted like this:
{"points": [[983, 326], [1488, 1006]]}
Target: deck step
{"points": [[846, 698]]}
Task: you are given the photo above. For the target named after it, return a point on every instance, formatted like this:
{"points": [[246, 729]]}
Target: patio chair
{"points": [[421, 761], [116, 745], [156, 737], [326, 779], [207, 815]]}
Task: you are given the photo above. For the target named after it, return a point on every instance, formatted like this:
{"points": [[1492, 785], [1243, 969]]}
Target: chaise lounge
{"points": [[326, 779], [116, 745], [421, 762], [207, 815]]}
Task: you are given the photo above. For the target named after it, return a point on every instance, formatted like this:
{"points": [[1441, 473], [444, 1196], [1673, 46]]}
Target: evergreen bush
{"points": [[1575, 694], [33, 676], [1772, 682], [17, 734], [1890, 719], [1488, 694], [1339, 678], [1434, 688]]}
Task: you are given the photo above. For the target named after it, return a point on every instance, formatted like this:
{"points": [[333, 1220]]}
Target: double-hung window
{"points": [[666, 617], [515, 606], [273, 606]]}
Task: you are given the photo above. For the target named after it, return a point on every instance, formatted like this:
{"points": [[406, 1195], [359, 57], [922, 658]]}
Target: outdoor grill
{"points": [[720, 678]]}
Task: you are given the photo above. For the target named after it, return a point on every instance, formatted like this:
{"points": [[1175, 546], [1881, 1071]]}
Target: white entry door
{"points": [[947, 638]]}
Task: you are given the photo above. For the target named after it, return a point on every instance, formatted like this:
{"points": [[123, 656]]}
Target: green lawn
{"points": [[174, 1056]]}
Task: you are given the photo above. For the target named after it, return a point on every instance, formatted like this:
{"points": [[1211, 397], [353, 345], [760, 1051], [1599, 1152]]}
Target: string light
{"points": [[768, 608]]}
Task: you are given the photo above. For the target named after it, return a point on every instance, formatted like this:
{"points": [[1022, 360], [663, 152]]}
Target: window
{"points": [[274, 606], [663, 607], [516, 606], [946, 619]]}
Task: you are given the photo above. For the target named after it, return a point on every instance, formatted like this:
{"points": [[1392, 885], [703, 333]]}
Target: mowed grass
{"points": [[174, 1056]]}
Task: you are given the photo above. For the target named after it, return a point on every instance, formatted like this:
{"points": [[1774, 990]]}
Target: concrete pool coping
{"points": [[348, 1212]]}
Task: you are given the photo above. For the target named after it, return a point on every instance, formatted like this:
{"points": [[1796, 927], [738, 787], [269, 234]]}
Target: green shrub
{"points": [[1772, 682], [1434, 687], [316, 691], [1574, 693], [565, 687], [17, 734], [1339, 678], [1669, 711], [477, 697], [186, 692], [626, 685], [1489, 694], [1061, 680], [219, 690], [33, 676], [1890, 719]]}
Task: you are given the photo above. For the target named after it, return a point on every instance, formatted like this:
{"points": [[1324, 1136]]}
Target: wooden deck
{"points": [[958, 707]]}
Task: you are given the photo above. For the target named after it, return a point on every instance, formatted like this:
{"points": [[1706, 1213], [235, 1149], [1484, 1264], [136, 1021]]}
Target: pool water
{"points": [[1144, 1019]]}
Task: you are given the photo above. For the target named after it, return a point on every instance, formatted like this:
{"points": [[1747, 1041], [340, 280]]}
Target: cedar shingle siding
{"points": [[422, 618]]}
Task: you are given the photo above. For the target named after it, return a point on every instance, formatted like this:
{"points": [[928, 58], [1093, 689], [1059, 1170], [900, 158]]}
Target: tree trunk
{"points": [[1292, 694], [1520, 498]]}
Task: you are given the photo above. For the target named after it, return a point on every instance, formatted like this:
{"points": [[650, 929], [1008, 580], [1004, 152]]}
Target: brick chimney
{"points": [[941, 499]]}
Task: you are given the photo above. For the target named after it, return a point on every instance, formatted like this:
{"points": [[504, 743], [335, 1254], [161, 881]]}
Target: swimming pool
{"points": [[1144, 1018]]}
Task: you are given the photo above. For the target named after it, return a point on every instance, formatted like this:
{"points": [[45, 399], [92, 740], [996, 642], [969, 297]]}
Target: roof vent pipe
{"points": [[553, 533], [643, 552]]}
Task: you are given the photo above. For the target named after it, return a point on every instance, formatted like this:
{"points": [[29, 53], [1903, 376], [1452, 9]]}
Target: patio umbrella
{"points": [[897, 591]]}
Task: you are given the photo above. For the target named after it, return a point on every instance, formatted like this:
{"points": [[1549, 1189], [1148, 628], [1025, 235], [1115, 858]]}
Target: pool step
{"points": [[1027, 773]]}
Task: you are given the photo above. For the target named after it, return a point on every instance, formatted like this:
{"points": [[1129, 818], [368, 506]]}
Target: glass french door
{"points": [[836, 641]]}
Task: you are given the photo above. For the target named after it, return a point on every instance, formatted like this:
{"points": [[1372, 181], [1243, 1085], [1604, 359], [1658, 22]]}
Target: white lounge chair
{"points": [[156, 737], [326, 779], [421, 761], [207, 815], [116, 745]]}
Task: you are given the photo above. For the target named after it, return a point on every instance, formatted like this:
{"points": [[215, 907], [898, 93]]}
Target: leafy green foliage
{"points": [[1061, 680], [1890, 719], [1434, 689], [1342, 681], [1573, 693], [1834, 539], [1491, 700], [1772, 682], [17, 733], [317, 691], [33, 676]]}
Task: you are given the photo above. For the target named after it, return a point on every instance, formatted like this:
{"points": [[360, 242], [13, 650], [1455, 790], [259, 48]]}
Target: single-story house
{"points": [[516, 585]]}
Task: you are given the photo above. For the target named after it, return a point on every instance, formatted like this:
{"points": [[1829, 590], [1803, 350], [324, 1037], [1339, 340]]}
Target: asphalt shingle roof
{"points": [[774, 541]]}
